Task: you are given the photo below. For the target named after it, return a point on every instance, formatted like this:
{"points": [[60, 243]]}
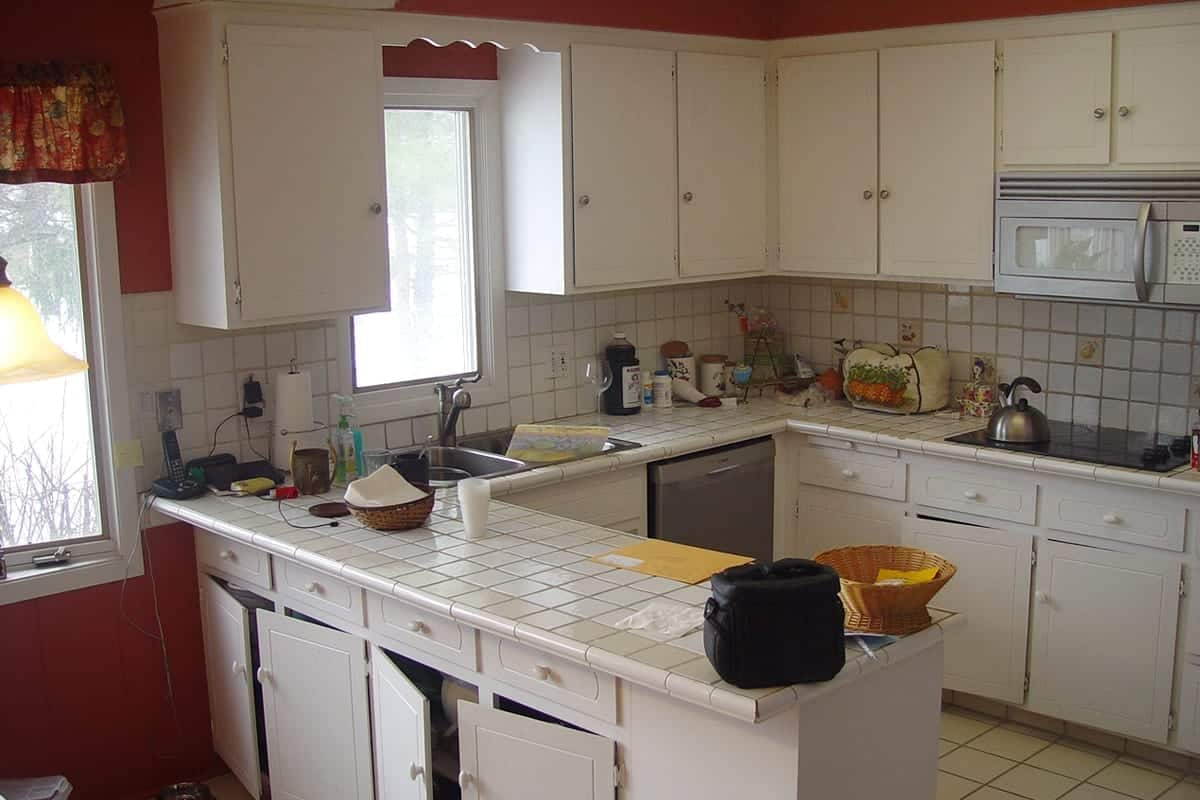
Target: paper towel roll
{"points": [[293, 401]]}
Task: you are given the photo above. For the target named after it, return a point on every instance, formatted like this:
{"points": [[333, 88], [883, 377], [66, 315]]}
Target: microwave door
{"points": [[1089, 259]]}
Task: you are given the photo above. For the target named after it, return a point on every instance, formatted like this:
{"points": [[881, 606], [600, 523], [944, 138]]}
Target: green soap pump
{"points": [[349, 443]]}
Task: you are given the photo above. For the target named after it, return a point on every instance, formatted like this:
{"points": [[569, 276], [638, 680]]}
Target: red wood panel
{"points": [[420, 59]]}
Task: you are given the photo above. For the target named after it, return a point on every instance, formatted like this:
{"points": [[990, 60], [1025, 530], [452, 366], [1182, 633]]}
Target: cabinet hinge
{"points": [[1171, 721], [224, 52], [796, 509], [998, 64], [673, 72], [1033, 558], [1182, 588], [237, 293], [764, 78], [1027, 681], [619, 775], [1000, 134]]}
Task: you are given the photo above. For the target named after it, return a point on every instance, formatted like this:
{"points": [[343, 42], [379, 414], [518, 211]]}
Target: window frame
{"points": [[482, 99], [95, 560]]}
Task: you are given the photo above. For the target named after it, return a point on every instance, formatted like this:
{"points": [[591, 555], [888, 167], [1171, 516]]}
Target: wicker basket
{"points": [[885, 609], [402, 517]]}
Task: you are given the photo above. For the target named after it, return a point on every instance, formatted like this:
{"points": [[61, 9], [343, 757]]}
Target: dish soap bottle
{"points": [[349, 443]]}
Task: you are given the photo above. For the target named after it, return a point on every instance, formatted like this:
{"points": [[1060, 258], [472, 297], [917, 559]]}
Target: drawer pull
{"points": [[971, 494], [465, 779], [238, 669], [312, 588], [1111, 519], [264, 675], [415, 771], [1042, 598], [541, 672], [416, 626], [227, 555], [849, 473]]}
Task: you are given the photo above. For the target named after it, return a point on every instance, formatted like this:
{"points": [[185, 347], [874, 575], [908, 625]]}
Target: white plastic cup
{"points": [[474, 495]]}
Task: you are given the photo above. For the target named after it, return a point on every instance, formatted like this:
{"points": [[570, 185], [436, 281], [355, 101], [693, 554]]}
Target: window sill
{"points": [[29, 583]]}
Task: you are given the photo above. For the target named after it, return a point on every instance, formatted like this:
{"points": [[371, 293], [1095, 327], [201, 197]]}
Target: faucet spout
{"points": [[452, 399]]}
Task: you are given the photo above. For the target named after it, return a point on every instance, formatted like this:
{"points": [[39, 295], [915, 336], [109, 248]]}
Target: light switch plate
{"points": [[169, 412], [560, 365]]}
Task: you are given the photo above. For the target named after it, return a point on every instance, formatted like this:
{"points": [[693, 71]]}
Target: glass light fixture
{"points": [[26, 352]]}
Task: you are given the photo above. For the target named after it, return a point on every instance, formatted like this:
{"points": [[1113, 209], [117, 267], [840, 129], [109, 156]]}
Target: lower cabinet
{"points": [[827, 518], [614, 500], [985, 656], [1103, 644]]}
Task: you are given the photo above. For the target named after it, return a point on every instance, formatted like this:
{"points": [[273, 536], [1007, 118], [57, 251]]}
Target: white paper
{"points": [[620, 561], [664, 618]]}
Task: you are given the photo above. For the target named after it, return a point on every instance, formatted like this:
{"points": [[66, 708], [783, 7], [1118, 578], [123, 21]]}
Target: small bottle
{"points": [[1195, 437], [647, 388], [662, 389], [349, 444]]}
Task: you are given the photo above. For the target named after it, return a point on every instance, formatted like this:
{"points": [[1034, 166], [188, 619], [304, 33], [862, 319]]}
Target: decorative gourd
{"points": [[881, 378]]}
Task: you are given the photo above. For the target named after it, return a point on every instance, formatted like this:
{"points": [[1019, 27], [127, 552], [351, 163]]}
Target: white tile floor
{"points": [[986, 759]]}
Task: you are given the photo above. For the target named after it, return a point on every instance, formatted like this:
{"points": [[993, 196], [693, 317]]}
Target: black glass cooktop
{"points": [[1111, 446]]}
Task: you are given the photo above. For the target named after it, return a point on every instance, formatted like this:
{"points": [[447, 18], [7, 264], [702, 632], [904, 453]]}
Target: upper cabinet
{"points": [[926, 199], [631, 167], [1056, 100], [722, 110], [828, 163], [1158, 118], [276, 195]]}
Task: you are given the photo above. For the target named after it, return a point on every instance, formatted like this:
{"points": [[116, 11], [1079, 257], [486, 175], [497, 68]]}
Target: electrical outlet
{"points": [[169, 411], [560, 362]]}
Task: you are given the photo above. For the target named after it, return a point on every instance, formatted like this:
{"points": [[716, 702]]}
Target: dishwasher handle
{"points": [[720, 470]]}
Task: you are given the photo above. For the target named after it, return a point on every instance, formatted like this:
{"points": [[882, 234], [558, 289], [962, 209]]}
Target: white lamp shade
{"points": [[26, 352]]}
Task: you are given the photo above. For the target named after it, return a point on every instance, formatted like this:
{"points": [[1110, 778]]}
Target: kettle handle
{"points": [[1007, 390]]}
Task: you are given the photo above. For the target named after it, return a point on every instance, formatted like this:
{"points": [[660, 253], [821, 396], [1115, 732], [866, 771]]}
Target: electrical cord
{"points": [[279, 505], [250, 441], [217, 430]]}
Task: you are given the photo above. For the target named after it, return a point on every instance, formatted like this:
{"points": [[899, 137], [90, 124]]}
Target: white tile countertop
{"points": [[530, 580]]}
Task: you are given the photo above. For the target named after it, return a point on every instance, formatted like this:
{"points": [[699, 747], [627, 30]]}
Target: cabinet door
{"points": [[226, 625], [722, 164], [828, 163], [497, 749], [1104, 638], [986, 656], [318, 725], [306, 114], [1056, 95], [403, 757], [936, 153], [1158, 119], [829, 518], [623, 133]]}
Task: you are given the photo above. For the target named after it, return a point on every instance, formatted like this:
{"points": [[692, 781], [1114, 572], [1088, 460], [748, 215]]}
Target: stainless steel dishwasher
{"points": [[722, 499]]}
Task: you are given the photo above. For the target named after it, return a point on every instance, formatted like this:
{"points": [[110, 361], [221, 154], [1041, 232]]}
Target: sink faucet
{"points": [[451, 400]]}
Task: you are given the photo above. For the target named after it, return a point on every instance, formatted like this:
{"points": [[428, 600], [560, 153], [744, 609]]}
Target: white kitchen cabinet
{"points": [[403, 752], [497, 751], [226, 629], [827, 518], [1103, 644], [828, 163], [316, 713], [273, 138], [986, 655], [623, 129], [1056, 95], [722, 119], [610, 499], [936, 154], [1158, 119]]}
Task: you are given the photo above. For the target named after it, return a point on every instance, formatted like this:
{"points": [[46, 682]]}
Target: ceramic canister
{"points": [[683, 368], [712, 375]]}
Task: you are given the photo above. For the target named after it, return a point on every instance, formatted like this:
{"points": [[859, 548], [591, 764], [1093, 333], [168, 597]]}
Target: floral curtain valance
{"points": [[60, 123]]}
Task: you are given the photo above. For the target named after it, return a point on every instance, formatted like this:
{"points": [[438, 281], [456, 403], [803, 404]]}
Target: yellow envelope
{"points": [[679, 562]]}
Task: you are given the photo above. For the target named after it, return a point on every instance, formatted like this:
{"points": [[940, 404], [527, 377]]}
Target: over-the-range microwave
{"points": [[1111, 236]]}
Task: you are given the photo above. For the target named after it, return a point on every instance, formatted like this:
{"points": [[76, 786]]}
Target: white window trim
{"points": [[482, 98], [108, 559]]}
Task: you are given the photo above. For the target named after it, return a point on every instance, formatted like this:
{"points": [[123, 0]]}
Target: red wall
{"points": [[420, 59]]}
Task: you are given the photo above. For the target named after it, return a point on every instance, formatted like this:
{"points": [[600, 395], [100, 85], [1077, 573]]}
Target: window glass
{"points": [[48, 484], [431, 331], [1094, 249]]}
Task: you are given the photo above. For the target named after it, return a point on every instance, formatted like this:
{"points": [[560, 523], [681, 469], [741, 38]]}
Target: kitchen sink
{"points": [[449, 465], [498, 441]]}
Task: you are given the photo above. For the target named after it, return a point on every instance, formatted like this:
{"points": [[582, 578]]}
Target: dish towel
{"points": [[664, 619]]}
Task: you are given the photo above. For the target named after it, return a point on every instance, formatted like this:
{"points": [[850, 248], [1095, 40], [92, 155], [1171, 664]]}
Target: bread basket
{"points": [[400, 517], [891, 609]]}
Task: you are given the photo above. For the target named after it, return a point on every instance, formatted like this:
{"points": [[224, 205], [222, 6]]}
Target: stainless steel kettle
{"points": [[1018, 422]]}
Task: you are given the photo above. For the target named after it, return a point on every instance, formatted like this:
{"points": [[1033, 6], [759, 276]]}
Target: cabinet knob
{"points": [[868, 194], [541, 672], [227, 555], [312, 588], [884, 194], [1123, 111], [1041, 597], [415, 771], [971, 494], [465, 779], [1111, 518], [238, 669], [263, 674], [687, 197], [584, 200], [1099, 113], [849, 473], [416, 626], [376, 208]]}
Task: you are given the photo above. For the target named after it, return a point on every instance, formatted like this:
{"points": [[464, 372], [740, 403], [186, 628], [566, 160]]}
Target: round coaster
{"points": [[329, 510]]}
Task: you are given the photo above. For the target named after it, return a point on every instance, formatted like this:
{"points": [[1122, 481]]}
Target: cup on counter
{"points": [[474, 495]]}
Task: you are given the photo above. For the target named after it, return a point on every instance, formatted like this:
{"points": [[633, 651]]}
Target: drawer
{"points": [[1110, 512], [852, 471], [233, 559], [320, 591], [423, 630], [1000, 494], [567, 683]]}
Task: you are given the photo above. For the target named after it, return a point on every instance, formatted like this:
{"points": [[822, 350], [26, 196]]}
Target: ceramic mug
{"points": [[312, 469]]}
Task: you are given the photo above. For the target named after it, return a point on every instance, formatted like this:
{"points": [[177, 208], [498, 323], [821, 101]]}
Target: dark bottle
{"points": [[624, 394]]}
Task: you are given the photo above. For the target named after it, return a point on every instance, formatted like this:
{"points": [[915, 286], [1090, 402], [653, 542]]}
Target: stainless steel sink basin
{"points": [[498, 441], [449, 465]]}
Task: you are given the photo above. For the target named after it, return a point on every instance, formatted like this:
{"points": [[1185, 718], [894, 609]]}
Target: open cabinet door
{"points": [[403, 755], [226, 625], [496, 749]]}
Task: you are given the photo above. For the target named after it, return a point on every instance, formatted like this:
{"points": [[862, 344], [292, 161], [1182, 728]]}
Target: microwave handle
{"points": [[1139, 253]]}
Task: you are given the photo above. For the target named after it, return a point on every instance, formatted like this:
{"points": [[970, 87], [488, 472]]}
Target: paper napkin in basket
{"points": [[383, 487]]}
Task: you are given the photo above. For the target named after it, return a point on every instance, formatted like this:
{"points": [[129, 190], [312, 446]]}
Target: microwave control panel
{"points": [[1183, 253]]}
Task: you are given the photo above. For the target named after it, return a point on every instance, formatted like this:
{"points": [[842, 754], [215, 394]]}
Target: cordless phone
{"points": [[175, 485]]}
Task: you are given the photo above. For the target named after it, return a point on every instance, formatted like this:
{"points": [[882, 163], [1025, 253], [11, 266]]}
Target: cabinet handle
{"points": [[465, 779], [312, 588], [868, 194], [1123, 111], [971, 494], [1111, 518], [376, 208], [1099, 113], [415, 771], [849, 473], [541, 672], [263, 674], [687, 197], [1041, 597], [238, 669], [884, 194], [227, 555], [416, 626], [584, 200]]}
